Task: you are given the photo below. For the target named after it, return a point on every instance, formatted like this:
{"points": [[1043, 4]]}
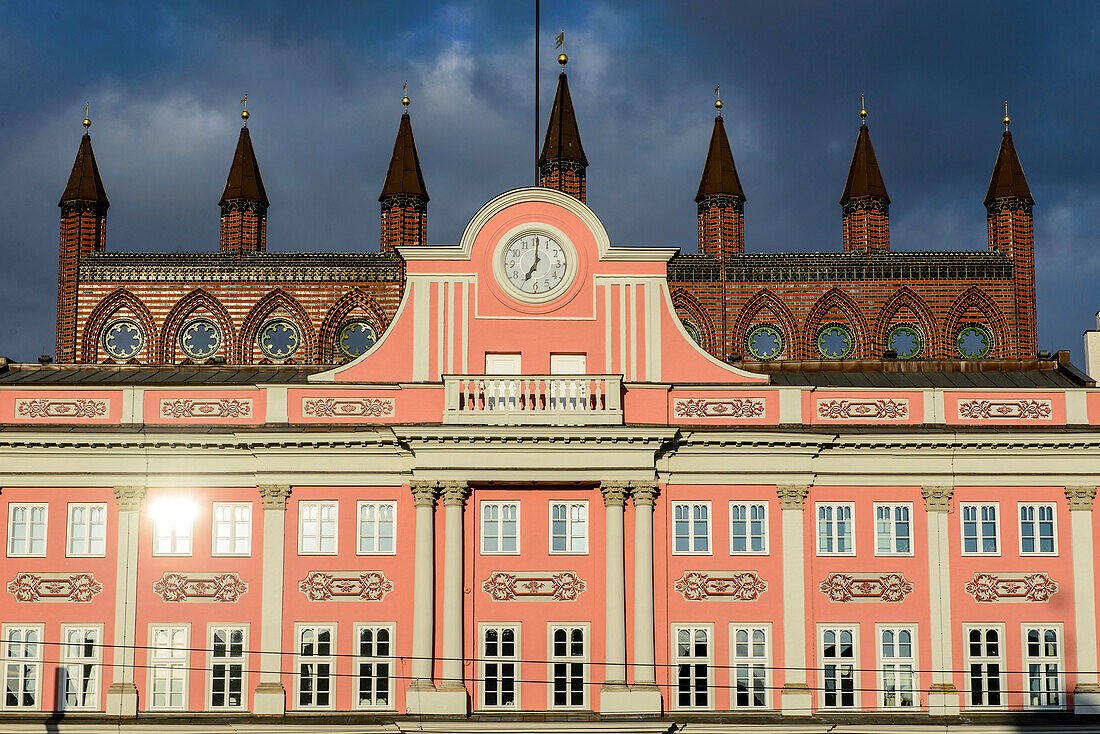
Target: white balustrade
{"points": [[533, 399]]}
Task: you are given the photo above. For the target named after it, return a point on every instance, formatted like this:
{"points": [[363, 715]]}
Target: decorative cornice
{"points": [[1008, 204], [274, 496], [1080, 498], [644, 493], [792, 496], [454, 492], [424, 492], [129, 498], [615, 493], [937, 498]]}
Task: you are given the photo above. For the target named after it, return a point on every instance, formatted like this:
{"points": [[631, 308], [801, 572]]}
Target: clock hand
{"points": [[535, 263]]}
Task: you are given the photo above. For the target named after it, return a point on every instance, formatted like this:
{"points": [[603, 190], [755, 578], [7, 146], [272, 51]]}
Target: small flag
{"points": [[716, 88], [560, 40], [244, 99]]}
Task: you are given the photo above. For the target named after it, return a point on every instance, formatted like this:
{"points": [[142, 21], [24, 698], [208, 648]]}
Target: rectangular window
{"points": [[838, 660], [78, 687], [1037, 536], [748, 527], [1043, 665], [898, 667], [87, 532], [834, 529], [168, 667], [316, 528], [227, 667], [985, 666], [377, 528], [500, 666], [893, 529], [22, 666], [692, 665], [568, 527], [232, 528], [26, 529], [981, 529], [316, 665], [568, 658], [749, 666], [499, 527], [691, 527], [374, 666], [172, 533]]}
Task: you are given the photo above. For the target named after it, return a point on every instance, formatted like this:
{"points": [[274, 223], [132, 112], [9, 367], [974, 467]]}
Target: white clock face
{"points": [[535, 264]]}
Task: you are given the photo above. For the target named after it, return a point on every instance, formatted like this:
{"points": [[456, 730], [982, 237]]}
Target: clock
{"points": [[535, 265]]}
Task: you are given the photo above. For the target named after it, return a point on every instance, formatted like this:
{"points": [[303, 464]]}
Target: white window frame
{"points": [[691, 660], [68, 661], [388, 660], [1035, 508], [499, 504], [898, 660], [233, 522], [226, 659], [361, 505], [692, 537], [569, 523], [748, 505], [88, 507], [320, 505], [978, 506], [835, 537], [839, 629], [172, 658], [329, 660], [750, 660], [172, 528], [26, 660], [1043, 659], [486, 660], [29, 506], [568, 659], [892, 507], [984, 660]]}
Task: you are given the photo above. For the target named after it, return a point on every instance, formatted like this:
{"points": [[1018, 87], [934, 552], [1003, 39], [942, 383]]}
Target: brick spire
{"points": [[562, 163], [84, 207], [720, 199], [404, 197], [865, 203], [244, 203]]}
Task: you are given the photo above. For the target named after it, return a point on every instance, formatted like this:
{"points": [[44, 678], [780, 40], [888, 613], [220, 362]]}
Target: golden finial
{"points": [[562, 58], [405, 96], [1007, 120], [244, 109], [717, 100], [862, 110], [87, 120]]}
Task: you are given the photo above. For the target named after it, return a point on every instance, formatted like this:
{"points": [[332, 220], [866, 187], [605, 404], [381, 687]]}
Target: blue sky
{"points": [[324, 88]]}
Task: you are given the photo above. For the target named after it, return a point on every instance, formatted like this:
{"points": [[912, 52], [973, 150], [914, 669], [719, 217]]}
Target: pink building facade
{"points": [[537, 502]]}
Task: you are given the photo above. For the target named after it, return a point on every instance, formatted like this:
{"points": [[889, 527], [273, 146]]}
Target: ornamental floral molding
{"points": [[215, 408], [344, 586], [54, 587], [722, 585], [729, 408], [561, 586], [835, 410], [51, 408], [845, 587], [1022, 587], [346, 407], [200, 587], [1005, 409]]}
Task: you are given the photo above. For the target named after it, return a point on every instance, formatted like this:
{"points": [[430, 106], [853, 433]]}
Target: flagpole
{"points": [[536, 92]]}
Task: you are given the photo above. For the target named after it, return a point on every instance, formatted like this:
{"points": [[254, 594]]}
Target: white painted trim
{"points": [[12, 506], [391, 659], [1020, 528], [359, 504], [335, 527], [691, 504], [517, 660], [817, 529], [214, 524], [96, 662], [40, 663], [968, 660], [770, 698], [551, 659], [568, 525], [211, 627], [1061, 661], [675, 659], [978, 527], [857, 668], [150, 662], [893, 535], [276, 402], [332, 659], [748, 521], [522, 231], [69, 530], [880, 662], [499, 504]]}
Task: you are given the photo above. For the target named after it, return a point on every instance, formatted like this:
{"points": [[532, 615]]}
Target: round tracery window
{"points": [[122, 339], [355, 338], [835, 342], [200, 338], [692, 330], [905, 340], [279, 339], [764, 342], [974, 341]]}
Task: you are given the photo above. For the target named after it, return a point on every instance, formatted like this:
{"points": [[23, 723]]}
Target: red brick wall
{"points": [[83, 232], [721, 226], [866, 225], [243, 229]]}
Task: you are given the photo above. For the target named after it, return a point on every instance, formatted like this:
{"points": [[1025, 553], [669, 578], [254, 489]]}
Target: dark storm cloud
{"points": [[324, 83]]}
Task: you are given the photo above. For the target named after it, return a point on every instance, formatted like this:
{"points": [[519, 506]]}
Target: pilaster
{"points": [[646, 694], [943, 697], [614, 694], [794, 696], [270, 696], [424, 499], [1086, 694], [122, 694], [451, 696]]}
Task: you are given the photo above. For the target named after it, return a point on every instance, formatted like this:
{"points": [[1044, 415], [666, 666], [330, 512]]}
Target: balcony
{"points": [[540, 400]]}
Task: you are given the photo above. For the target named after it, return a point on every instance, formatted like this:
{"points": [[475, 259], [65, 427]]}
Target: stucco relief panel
{"points": [[55, 587], [545, 586], [721, 585], [200, 587]]}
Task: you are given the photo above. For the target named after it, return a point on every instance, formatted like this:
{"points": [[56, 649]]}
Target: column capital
{"points": [[937, 498], [645, 493], [614, 493], [424, 492], [792, 496], [274, 495], [454, 492], [1080, 498], [129, 498]]}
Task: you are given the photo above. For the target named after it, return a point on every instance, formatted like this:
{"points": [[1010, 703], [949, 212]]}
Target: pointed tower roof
{"points": [[84, 182], [1008, 175], [719, 173], [864, 177], [563, 139], [244, 180], [404, 175]]}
